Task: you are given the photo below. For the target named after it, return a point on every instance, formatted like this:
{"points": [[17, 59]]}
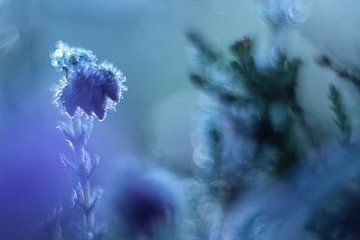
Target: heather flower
{"points": [[87, 85]]}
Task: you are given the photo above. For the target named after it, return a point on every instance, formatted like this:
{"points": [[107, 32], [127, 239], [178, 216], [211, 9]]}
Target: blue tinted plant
{"points": [[86, 92]]}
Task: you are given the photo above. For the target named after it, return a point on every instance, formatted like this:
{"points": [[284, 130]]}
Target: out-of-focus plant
{"points": [[86, 92], [263, 170], [249, 136]]}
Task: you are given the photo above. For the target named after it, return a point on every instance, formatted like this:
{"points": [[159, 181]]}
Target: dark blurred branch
{"points": [[223, 93], [311, 136], [342, 72], [199, 43]]}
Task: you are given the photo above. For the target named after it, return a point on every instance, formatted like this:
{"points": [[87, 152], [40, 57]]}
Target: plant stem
{"points": [[86, 196]]}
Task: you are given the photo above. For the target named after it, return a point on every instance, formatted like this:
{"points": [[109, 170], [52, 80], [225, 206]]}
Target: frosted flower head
{"points": [[87, 86]]}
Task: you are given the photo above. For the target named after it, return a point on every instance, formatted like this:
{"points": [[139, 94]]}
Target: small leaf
{"points": [[338, 107]]}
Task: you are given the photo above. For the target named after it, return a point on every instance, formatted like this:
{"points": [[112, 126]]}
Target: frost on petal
{"points": [[98, 102], [113, 84], [67, 101]]}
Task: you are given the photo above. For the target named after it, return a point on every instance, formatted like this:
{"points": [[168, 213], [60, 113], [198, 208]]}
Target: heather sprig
{"points": [[86, 91]]}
